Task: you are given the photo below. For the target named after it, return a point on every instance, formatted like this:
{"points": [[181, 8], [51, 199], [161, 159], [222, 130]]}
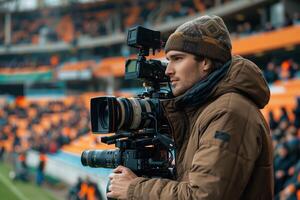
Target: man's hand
{"points": [[119, 182]]}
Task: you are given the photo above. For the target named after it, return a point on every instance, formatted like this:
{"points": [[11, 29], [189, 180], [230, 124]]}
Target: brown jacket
{"points": [[223, 148]]}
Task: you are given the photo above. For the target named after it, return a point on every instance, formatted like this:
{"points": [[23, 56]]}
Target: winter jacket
{"points": [[223, 147]]}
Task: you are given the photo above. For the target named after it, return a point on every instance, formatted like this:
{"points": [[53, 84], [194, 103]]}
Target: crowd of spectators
{"points": [[100, 19], [286, 142], [96, 19], [103, 18], [247, 28], [44, 126], [287, 69]]}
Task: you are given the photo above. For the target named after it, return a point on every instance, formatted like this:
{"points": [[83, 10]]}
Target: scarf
{"points": [[200, 92]]}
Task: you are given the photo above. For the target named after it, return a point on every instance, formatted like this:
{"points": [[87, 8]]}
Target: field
{"points": [[18, 190]]}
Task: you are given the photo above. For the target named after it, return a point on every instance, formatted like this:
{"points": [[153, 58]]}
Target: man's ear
{"points": [[207, 65]]}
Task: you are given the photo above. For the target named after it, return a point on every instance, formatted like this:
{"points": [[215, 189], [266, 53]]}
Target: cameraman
{"points": [[223, 144]]}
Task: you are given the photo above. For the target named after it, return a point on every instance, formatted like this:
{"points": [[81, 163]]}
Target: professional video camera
{"points": [[141, 130]]}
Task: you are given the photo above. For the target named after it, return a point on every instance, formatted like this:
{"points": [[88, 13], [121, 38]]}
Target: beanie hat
{"points": [[205, 36]]}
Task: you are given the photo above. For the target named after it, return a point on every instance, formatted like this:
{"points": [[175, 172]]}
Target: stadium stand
{"points": [[88, 20], [285, 135], [44, 125], [60, 124], [254, 43]]}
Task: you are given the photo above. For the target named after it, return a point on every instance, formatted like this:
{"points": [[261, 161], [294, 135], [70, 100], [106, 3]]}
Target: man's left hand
{"points": [[120, 180]]}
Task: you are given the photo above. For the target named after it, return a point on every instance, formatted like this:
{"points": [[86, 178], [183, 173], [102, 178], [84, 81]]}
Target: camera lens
{"points": [[104, 114], [84, 156], [133, 109], [99, 158], [109, 114]]}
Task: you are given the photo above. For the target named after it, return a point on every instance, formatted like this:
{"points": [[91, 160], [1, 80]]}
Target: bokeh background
{"points": [[57, 54]]}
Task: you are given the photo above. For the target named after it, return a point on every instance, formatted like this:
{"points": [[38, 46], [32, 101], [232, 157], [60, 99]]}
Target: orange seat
{"points": [[285, 99], [114, 66]]}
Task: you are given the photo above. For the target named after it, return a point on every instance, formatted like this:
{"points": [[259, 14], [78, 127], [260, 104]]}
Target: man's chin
{"points": [[176, 92]]}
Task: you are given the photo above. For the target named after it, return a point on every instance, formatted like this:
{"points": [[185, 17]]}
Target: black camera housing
{"points": [[147, 70], [141, 37], [153, 70], [142, 133]]}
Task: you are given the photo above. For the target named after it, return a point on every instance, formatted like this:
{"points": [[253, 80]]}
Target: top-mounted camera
{"points": [[143, 38], [150, 71]]}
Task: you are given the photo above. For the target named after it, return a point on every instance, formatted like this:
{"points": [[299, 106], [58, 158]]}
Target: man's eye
{"points": [[177, 58]]}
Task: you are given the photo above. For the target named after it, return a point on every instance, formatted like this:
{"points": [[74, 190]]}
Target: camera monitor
{"points": [[140, 37]]}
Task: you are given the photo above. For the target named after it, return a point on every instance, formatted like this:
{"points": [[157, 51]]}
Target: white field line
{"points": [[13, 188]]}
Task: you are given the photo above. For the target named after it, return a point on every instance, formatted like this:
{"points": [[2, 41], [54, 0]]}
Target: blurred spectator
{"points": [[285, 69], [283, 160], [53, 146], [41, 169], [247, 28], [289, 69], [74, 190], [89, 191], [23, 173], [271, 75], [240, 30], [284, 115], [291, 189], [288, 21], [269, 27], [272, 122], [279, 132], [296, 18], [297, 114], [294, 69], [2, 152], [20, 169]]}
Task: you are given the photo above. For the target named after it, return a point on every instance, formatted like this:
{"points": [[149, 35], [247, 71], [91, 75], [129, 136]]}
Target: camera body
{"points": [[141, 130], [141, 68]]}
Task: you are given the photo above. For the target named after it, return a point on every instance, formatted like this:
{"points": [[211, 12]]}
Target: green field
{"points": [[18, 190]]}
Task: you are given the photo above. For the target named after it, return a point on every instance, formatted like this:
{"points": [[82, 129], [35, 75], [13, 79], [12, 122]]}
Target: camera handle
{"points": [[163, 139]]}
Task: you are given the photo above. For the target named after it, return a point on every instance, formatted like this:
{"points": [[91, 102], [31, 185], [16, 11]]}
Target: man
{"points": [[223, 145]]}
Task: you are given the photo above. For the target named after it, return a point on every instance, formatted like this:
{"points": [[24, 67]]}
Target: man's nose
{"points": [[169, 70]]}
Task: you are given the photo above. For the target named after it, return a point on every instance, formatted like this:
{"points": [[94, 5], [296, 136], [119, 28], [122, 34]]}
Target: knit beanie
{"points": [[205, 36]]}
